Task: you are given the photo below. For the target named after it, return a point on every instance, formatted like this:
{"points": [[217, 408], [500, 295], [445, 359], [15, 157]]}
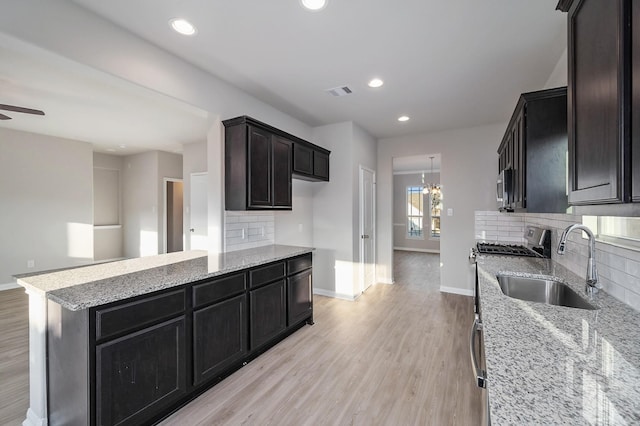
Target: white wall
{"points": [[468, 174], [47, 206], [108, 242], [400, 240], [140, 204], [143, 200], [332, 221], [336, 209], [295, 227]]}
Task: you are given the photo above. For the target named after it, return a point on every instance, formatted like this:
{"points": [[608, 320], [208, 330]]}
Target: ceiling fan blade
{"points": [[21, 109], [4, 117]]}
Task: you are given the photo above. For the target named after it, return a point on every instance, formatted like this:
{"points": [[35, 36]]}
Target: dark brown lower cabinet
{"points": [[219, 337], [135, 361], [140, 374], [300, 297], [268, 313]]}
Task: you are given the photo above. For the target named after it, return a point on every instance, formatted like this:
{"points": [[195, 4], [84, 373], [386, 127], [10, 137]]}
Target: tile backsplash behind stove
{"points": [[619, 268]]}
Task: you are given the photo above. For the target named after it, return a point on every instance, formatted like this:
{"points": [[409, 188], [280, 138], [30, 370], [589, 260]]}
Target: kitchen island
{"points": [[128, 342], [557, 365]]}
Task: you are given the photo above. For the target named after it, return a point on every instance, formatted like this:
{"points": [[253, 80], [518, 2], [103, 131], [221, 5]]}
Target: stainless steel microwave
{"points": [[503, 189]]}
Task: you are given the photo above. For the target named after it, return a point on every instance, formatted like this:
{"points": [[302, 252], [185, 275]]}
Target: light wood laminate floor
{"points": [[396, 356], [14, 356]]}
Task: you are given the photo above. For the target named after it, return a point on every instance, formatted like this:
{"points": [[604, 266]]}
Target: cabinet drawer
{"points": [[218, 289], [299, 264], [134, 315], [266, 274]]}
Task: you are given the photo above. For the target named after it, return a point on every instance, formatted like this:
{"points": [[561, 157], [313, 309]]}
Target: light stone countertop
{"points": [[88, 286], [557, 365]]}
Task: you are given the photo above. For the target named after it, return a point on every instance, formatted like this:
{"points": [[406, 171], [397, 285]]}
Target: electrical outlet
{"points": [[31, 263], [449, 211]]}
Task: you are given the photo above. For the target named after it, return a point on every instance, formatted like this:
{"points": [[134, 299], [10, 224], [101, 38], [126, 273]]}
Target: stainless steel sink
{"points": [[542, 290]]}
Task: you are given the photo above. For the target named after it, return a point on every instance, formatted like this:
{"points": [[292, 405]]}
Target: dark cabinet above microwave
{"points": [[260, 162], [533, 154]]}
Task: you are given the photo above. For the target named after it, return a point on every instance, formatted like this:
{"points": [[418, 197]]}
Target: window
{"points": [[622, 231], [415, 199], [435, 200]]}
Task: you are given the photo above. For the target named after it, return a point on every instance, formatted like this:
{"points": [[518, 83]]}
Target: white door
{"points": [[198, 234], [367, 228]]}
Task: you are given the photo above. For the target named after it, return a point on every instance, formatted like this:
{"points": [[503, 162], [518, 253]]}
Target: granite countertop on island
{"points": [[88, 286], [557, 365]]}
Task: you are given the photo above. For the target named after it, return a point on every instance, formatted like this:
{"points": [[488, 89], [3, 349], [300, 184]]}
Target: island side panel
{"points": [[68, 365]]}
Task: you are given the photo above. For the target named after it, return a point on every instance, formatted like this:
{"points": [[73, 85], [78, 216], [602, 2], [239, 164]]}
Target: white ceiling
{"points": [[83, 104], [446, 64]]}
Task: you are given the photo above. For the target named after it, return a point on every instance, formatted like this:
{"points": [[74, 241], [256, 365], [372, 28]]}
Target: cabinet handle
{"points": [[479, 375], [365, 236]]}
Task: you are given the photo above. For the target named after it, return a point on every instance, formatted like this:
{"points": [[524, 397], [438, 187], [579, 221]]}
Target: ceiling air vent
{"points": [[339, 91]]}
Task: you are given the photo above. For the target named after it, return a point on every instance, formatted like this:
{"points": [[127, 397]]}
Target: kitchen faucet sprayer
{"points": [[592, 284]]}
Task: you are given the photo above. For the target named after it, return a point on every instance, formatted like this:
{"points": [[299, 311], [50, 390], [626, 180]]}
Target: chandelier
{"points": [[430, 187]]}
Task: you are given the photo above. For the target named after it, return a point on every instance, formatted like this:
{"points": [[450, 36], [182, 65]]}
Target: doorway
{"points": [[173, 215], [367, 228], [417, 205]]}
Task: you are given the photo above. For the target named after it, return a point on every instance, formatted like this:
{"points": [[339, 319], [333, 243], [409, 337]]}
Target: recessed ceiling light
{"points": [[403, 118], [376, 82], [183, 26], [314, 4], [123, 146], [111, 150]]}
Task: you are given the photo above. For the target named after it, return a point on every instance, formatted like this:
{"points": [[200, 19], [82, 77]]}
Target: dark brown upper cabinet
{"points": [[257, 167], [260, 162], [603, 105], [534, 149], [310, 162]]}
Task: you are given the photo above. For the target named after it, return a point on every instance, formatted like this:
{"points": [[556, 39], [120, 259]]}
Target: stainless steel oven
{"points": [[476, 351]]}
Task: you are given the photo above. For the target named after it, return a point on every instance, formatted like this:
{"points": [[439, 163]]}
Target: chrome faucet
{"points": [[592, 284]]}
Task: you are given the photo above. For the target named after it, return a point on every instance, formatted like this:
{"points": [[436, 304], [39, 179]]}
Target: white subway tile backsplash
{"points": [[619, 268], [245, 230]]}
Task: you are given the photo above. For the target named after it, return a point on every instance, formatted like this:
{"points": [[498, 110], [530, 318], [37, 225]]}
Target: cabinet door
{"points": [[282, 154], [139, 374], [299, 293], [219, 337], [268, 312], [321, 165], [519, 172], [259, 161], [302, 159], [635, 100], [597, 129]]}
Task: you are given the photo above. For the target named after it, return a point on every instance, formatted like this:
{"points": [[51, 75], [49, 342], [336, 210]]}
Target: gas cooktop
{"points": [[506, 250]]}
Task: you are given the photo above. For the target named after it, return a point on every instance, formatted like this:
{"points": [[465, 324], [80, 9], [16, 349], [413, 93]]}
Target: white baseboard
{"points": [[456, 290], [328, 293], [417, 249], [9, 286]]}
